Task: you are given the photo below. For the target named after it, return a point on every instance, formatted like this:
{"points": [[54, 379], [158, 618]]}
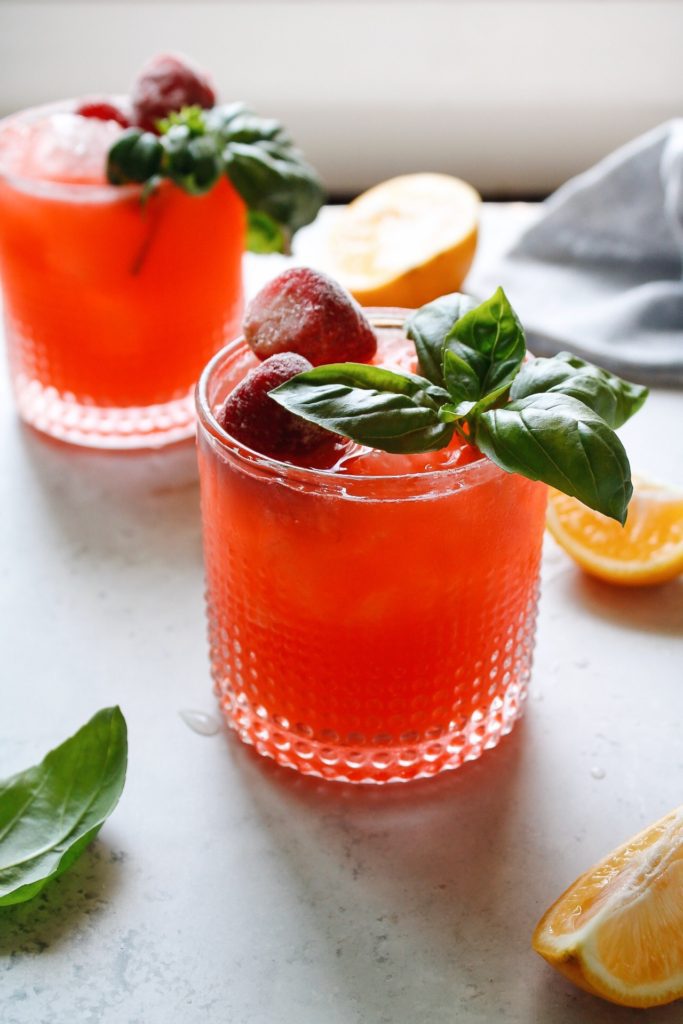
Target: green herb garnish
{"points": [[51, 812], [264, 234], [546, 419], [196, 147]]}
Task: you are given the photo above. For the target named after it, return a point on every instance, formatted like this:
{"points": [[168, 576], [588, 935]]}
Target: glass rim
{"points": [[75, 191], [379, 316]]}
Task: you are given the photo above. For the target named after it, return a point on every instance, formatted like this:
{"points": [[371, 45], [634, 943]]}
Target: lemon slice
{"points": [[618, 930], [406, 241], [648, 549]]}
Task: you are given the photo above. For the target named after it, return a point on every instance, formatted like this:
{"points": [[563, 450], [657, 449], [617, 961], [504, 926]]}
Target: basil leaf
{"points": [[221, 118], [461, 379], [134, 158], [559, 440], [498, 396], [614, 399], [192, 161], [275, 179], [394, 412], [234, 122], [488, 343], [263, 234], [51, 812], [450, 413], [428, 328]]}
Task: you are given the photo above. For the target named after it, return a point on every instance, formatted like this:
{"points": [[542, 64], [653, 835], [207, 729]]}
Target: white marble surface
{"points": [[225, 888]]}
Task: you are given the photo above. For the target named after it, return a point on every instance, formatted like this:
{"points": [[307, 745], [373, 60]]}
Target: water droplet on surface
{"points": [[598, 773], [200, 722]]}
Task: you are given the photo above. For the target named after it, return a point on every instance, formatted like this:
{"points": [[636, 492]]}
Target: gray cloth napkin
{"points": [[600, 271]]}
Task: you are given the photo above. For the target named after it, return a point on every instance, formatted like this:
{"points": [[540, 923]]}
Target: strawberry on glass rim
{"points": [[166, 84], [103, 110], [306, 311]]}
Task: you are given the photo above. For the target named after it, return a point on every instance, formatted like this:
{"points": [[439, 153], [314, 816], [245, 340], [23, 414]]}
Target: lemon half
{"points": [[406, 241]]}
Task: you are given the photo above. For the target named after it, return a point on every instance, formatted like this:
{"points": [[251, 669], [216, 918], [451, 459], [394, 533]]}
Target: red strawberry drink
{"points": [[121, 243], [371, 614]]}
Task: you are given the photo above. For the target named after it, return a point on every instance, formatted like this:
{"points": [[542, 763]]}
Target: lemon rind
{"points": [[577, 950]]}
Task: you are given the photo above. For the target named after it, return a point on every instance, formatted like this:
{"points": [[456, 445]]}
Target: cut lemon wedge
{"points": [[618, 930], [648, 549], [406, 241]]}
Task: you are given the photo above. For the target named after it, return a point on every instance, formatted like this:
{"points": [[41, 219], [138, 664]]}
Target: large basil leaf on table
{"points": [[51, 812]]}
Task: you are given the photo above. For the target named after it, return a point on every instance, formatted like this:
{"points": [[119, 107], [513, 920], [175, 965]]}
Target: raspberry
{"points": [[307, 312], [254, 418], [102, 110], [168, 83]]}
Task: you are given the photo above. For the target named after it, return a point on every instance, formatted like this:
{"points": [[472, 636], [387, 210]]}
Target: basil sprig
{"points": [[51, 812], [546, 419], [196, 147]]}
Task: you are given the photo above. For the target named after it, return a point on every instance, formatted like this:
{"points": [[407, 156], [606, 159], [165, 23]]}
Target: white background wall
{"points": [[515, 95]]}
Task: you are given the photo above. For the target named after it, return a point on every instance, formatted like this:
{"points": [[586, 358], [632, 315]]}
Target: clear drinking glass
{"points": [[367, 629], [113, 302]]}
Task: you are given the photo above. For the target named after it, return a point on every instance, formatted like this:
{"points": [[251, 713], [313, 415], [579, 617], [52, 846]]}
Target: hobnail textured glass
{"points": [[366, 629]]}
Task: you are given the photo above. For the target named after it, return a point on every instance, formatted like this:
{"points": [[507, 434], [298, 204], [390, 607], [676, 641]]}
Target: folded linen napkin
{"points": [[600, 271]]}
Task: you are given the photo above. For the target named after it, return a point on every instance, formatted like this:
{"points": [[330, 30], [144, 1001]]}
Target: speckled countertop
{"points": [[226, 889]]}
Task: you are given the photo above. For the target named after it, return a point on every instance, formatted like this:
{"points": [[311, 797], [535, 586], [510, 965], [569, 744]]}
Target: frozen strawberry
{"points": [[256, 419], [168, 83], [102, 110], [307, 312]]}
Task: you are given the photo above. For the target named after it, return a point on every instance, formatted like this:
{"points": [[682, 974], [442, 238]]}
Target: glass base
{"points": [[113, 428], [482, 731]]}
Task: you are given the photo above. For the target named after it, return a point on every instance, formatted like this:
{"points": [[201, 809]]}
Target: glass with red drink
{"points": [[372, 617]]}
